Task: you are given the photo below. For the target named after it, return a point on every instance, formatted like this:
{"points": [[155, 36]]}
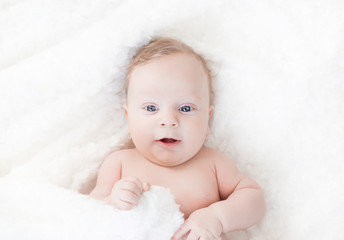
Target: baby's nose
{"points": [[169, 124], [169, 120]]}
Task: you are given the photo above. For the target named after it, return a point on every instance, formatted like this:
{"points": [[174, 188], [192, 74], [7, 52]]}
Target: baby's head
{"points": [[169, 99]]}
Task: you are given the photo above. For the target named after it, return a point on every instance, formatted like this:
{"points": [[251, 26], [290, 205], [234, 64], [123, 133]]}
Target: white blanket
{"points": [[37, 210], [279, 113]]}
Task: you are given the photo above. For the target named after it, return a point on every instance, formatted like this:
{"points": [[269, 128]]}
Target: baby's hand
{"points": [[201, 224], [126, 193]]}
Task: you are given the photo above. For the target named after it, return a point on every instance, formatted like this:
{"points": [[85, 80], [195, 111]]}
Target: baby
{"points": [[169, 104]]}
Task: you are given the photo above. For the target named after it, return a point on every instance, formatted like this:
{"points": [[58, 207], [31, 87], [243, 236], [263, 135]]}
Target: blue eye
{"points": [[151, 108], [185, 109]]}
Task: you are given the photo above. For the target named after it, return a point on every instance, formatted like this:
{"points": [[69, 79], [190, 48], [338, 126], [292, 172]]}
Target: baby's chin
{"points": [[166, 161], [169, 157]]}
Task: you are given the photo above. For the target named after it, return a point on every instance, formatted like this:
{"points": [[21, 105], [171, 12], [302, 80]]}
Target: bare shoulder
{"points": [[116, 158], [218, 158], [212, 151], [227, 174], [114, 161], [225, 166], [112, 165]]}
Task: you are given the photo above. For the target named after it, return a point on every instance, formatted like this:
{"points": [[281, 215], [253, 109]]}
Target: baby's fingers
{"points": [[127, 192], [182, 232], [122, 205], [134, 187], [194, 236], [145, 186], [129, 197], [137, 185]]}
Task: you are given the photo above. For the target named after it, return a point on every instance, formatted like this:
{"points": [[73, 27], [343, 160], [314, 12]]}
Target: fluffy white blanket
{"points": [[279, 111], [45, 211]]}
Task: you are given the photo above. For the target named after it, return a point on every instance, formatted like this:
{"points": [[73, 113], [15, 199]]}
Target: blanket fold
{"points": [[38, 210]]}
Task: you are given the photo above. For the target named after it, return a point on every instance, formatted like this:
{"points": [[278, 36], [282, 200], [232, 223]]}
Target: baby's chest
{"points": [[194, 192], [192, 188]]}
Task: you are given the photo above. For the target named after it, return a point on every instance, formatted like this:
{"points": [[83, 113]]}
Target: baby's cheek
{"points": [[199, 129], [196, 136]]}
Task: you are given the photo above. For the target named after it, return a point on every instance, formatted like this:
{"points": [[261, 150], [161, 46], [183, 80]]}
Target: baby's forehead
{"points": [[183, 63], [178, 66], [180, 62]]}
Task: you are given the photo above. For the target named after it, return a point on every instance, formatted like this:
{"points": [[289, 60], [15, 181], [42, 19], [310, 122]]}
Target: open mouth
{"points": [[168, 142]]}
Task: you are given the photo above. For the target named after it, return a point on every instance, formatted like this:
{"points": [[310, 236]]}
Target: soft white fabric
{"points": [[45, 211], [279, 113]]}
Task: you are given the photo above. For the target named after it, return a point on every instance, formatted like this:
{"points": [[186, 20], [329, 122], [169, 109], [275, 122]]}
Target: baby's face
{"points": [[168, 108]]}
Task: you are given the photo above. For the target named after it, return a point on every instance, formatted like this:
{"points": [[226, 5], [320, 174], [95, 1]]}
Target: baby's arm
{"points": [[242, 206], [121, 193], [108, 174]]}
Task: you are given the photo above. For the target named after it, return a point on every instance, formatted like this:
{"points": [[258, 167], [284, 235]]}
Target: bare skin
{"points": [[168, 112]]}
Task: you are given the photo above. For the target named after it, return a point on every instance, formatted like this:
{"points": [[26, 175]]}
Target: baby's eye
{"points": [[151, 108], [185, 108]]}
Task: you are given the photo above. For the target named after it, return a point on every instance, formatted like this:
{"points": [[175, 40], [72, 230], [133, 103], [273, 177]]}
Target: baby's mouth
{"points": [[168, 142]]}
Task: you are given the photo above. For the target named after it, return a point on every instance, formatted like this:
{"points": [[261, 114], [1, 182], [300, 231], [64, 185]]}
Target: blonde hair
{"points": [[159, 47]]}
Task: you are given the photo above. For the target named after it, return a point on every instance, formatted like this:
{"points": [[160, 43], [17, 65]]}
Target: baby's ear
{"points": [[208, 131], [125, 107], [211, 108]]}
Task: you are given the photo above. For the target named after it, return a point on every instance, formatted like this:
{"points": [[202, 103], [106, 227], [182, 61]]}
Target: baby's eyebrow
{"points": [[191, 99], [150, 96], [146, 94]]}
